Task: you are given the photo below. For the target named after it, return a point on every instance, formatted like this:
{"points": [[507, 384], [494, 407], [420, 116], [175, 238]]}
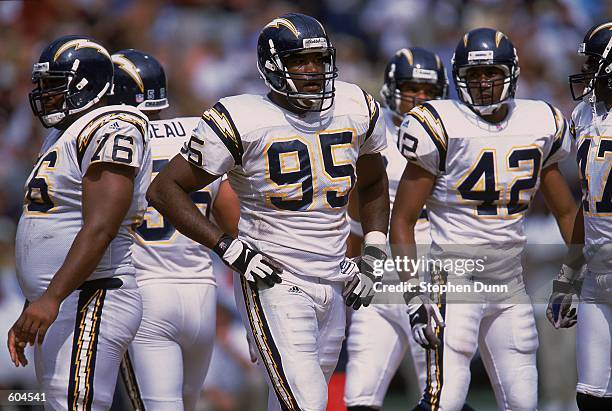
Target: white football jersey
{"points": [[292, 173], [486, 175], [160, 253], [593, 141], [52, 212], [395, 164]]}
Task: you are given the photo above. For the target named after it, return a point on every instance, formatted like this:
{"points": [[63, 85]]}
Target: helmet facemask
{"points": [[394, 96], [480, 94], [57, 96], [287, 83], [587, 85]]}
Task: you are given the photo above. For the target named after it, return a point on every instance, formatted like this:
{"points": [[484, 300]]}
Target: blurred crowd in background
{"points": [[208, 49]]}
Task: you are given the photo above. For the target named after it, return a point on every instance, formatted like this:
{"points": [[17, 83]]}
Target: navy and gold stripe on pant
{"points": [[267, 348], [131, 383], [435, 361], [84, 349]]}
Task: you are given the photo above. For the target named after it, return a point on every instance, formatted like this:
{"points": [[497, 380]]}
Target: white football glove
{"points": [[424, 317], [559, 311], [359, 290], [247, 261]]}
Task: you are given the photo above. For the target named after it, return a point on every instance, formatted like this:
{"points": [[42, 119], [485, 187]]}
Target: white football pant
{"points": [[504, 330], [298, 327], [378, 338], [594, 341], [78, 361], [167, 362]]}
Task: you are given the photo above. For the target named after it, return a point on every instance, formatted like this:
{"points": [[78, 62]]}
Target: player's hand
{"points": [[16, 349], [359, 290], [247, 261], [33, 323], [559, 311], [424, 317]]}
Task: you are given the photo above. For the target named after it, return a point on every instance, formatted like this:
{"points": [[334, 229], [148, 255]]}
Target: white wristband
{"points": [[375, 238]]}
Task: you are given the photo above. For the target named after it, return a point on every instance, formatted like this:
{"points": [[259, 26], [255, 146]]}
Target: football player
{"points": [[292, 156], [167, 362], [477, 163], [379, 336], [73, 240], [591, 128]]}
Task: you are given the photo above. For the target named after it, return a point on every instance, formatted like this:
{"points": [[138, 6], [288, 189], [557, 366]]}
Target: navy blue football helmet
{"points": [[597, 47], [485, 47], [72, 74], [291, 34], [140, 81], [414, 65]]}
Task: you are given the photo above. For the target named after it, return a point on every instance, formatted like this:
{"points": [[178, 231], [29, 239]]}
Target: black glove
{"points": [[424, 316], [359, 290], [248, 262], [559, 311]]}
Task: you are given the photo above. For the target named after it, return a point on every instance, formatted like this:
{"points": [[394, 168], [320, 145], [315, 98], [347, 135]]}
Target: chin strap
{"points": [[488, 110]]}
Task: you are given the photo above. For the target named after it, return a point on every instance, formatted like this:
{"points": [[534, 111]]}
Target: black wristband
{"points": [[375, 252], [223, 244], [409, 295], [563, 287]]}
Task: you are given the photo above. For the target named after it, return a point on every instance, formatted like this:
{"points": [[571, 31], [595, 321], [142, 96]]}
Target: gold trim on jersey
{"points": [[80, 44], [424, 121], [598, 29], [594, 198], [480, 186], [289, 186], [342, 191], [146, 217], [222, 122], [41, 172], [295, 160], [84, 137], [277, 22], [260, 333], [527, 174]]}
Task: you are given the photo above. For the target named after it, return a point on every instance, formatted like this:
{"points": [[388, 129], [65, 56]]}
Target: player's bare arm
{"points": [[169, 194], [373, 206], [226, 209], [559, 200], [107, 195], [355, 238], [373, 191], [413, 191]]}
